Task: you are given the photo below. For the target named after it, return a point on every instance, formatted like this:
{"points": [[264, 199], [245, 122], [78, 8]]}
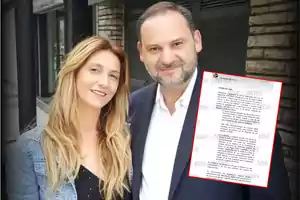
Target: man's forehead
{"points": [[162, 41], [164, 29], [175, 17]]}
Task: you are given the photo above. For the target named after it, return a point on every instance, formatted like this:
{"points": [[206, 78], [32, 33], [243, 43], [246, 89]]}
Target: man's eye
{"points": [[178, 43], [153, 49]]}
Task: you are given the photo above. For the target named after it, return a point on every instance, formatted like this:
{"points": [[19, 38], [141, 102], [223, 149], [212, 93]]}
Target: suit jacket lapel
{"points": [[141, 120], [186, 139]]}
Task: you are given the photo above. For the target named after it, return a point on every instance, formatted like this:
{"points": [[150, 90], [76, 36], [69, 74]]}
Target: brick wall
{"points": [[110, 22], [272, 54]]}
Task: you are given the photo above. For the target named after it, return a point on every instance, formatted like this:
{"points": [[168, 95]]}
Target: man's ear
{"points": [[198, 40], [139, 47]]}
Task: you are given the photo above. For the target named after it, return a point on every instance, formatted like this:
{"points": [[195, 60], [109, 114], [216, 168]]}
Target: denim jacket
{"points": [[26, 171]]}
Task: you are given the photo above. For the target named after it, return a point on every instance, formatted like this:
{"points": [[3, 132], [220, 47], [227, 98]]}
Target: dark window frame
{"points": [[42, 51], [298, 99]]}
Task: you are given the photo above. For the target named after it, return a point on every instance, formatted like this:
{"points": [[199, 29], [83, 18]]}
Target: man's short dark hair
{"points": [[163, 7]]}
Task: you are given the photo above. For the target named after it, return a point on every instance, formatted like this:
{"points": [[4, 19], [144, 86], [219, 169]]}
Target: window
{"points": [[51, 50]]}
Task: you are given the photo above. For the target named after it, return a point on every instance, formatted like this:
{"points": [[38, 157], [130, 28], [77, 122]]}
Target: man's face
{"points": [[169, 49]]}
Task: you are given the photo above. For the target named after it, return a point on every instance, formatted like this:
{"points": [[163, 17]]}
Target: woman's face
{"points": [[97, 81]]}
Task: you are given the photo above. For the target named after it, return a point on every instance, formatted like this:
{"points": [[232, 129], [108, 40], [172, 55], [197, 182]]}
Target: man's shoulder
{"points": [[137, 98], [138, 95]]}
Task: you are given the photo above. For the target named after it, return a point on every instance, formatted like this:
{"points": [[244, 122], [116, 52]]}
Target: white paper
{"points": [[235, 129]]}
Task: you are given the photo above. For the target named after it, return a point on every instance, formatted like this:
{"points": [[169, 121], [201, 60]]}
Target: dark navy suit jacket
{"points": [[182, 186]]}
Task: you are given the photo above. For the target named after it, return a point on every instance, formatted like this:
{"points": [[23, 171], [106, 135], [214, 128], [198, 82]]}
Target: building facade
{"points": [[259, 38], [273, 53]]}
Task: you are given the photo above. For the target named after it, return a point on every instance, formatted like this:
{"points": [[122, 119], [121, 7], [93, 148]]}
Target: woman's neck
{"points": [[88, 138], [88, 121]]}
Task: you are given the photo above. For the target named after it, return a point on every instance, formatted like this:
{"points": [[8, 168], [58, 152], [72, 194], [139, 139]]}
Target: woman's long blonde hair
{"points": [[59, 141]]}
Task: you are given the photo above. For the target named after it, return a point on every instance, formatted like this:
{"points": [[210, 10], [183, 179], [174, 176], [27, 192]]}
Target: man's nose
{"points": [[167, 56]]}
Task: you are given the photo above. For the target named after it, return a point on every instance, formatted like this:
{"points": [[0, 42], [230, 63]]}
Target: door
{"points": [[224, 28]]}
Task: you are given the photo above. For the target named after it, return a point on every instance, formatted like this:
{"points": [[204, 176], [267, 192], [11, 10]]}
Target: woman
{"points": [[84, 151]]}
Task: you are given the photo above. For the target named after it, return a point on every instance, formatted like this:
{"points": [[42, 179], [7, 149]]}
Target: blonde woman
{"points": [[84, 151]]}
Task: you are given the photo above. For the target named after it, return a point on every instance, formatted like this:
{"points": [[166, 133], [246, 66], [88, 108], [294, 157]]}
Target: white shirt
{"points": [[161, 144]]}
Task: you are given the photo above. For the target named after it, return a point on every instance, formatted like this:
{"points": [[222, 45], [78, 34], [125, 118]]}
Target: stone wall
{"points": [[271, 54], [110, 22]]}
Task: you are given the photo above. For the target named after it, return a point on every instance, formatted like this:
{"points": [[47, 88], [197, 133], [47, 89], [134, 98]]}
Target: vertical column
{"points": [[110, 21], [43, 56], [298, 99], [79, 22], [25, 63]]}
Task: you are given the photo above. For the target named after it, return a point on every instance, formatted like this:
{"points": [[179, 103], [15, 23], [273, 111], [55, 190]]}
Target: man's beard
{"points": [[186, 73]]}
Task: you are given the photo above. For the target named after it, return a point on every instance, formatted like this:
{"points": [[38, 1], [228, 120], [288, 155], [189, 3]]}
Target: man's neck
{"points": [[172, 94]]}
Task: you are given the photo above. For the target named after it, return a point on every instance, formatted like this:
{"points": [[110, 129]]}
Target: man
{"points": [[163, 115]]}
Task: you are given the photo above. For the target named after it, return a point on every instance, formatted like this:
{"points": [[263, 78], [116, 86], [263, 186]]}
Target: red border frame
{"points": [[273, 135]]}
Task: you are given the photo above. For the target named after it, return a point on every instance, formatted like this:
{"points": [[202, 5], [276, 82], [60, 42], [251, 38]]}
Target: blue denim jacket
{"points": [[26, 171]]}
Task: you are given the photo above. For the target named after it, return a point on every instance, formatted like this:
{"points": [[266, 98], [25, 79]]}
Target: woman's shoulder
{"points": [[31, 136], [29, 142]]}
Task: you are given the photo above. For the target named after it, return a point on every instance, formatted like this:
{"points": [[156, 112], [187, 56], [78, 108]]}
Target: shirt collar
{"points": [[184, 99]]}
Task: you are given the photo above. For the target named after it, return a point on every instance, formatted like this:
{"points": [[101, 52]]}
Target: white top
{"points": [[161, 144]]}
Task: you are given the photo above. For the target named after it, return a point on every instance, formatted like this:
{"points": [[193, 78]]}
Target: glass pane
{"points": [[52, 46], [61, 40]]}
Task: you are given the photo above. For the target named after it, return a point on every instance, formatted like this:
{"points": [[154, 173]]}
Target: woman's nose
{"points": [[103, 80]]}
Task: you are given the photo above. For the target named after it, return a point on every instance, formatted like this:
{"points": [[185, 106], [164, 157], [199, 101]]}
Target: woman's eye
{"points": [[114, 76], [94, 70]]}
